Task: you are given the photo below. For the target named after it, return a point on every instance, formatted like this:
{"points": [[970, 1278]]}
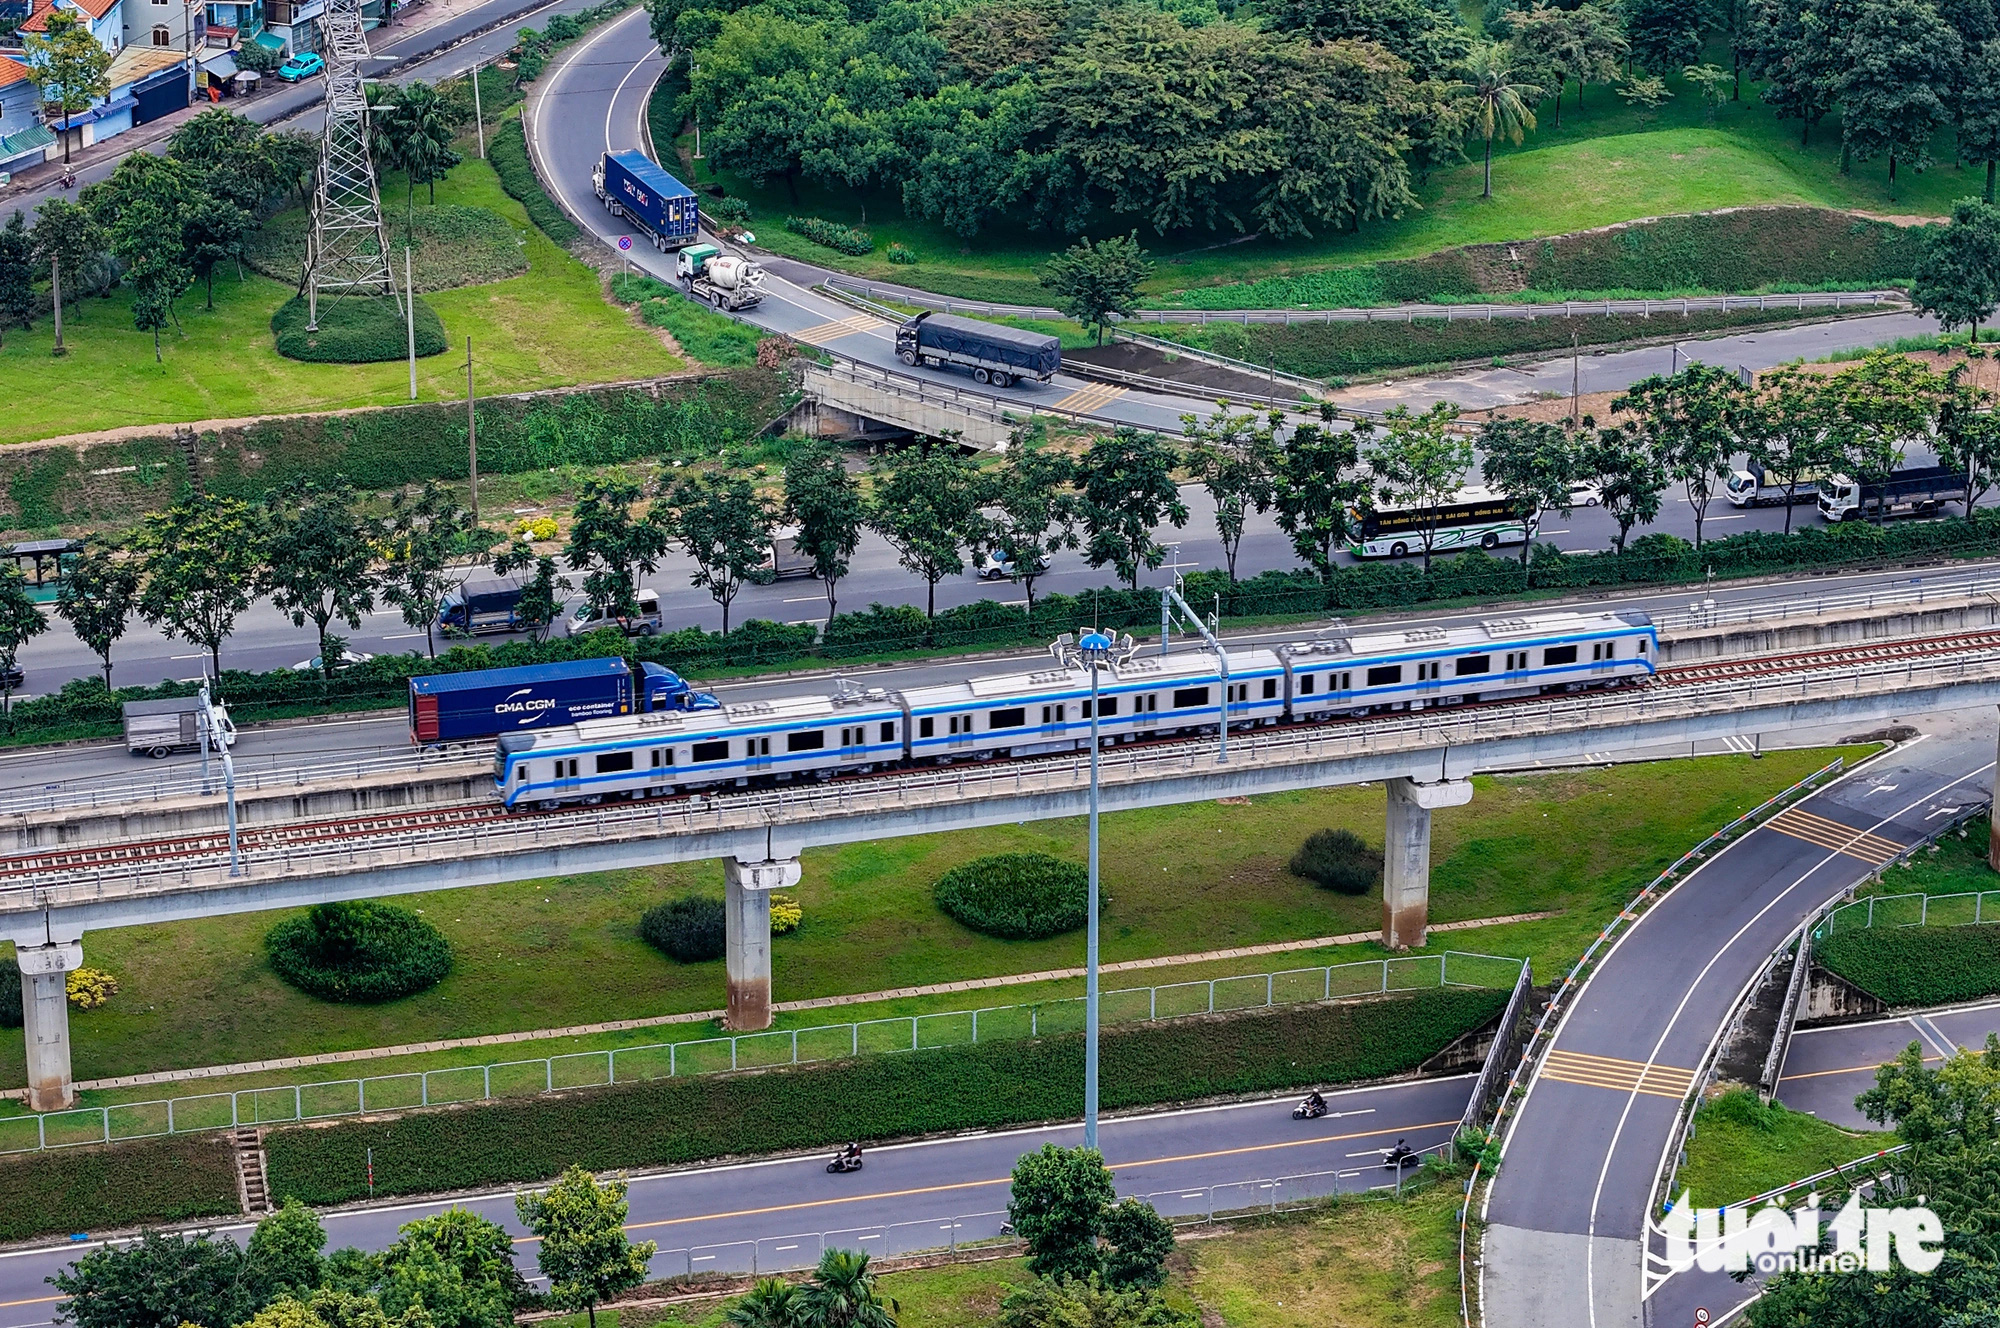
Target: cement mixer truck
{"points": [[724, 280]]}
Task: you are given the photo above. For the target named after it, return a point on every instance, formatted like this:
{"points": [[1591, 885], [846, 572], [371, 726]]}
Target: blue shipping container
{"points": [[462, 707], [631, 184]]}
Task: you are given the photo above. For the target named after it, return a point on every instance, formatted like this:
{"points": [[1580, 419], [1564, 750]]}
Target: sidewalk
{"points": [[781, 1007]]}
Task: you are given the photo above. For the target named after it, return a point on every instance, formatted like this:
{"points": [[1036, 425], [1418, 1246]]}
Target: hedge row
{"points": [[508, 152], [839, 238], [1747, 250], [1916, 965], [98, 1189], [986, 1086], [355, 330], [1337, 350]]}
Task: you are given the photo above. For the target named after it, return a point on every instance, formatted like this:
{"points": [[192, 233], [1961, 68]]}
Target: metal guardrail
{"points": [[759, 809], [1917, 592], [1505, 1043], [1543, 1036], [324, 1100], [1788, 1014]]}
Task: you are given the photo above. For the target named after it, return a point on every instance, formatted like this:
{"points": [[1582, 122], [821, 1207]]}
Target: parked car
{"points": [[303, 65]]}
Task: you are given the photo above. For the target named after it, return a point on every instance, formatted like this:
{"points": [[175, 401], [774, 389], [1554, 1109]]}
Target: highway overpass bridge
{"points": [[68, 871]]}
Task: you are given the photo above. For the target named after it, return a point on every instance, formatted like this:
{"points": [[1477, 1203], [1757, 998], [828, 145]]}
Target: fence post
{"points": [[1034, 1021], [105, 1114], [732, 1053], [795, 1040], [298, 1102], [1327, 995], [1270, 989], [1211, 996], [170, 1115], [1385, 975], [1924, 912], [1152, 1004], [549, 1070], [856, 1030], [425, 1079], [1871, 910], [673, 1060], [913, 1032], [487, 1091]]}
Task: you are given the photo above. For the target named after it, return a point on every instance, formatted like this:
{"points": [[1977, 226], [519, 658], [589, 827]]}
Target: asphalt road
{"points": [[1567, 1214], [1826, 1068], [925, 1195]]}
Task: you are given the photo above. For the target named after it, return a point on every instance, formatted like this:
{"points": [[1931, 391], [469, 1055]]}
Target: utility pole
{"points": [[471, 433], [1575, 379], [55, 293], [478, 116], [410, 320]]}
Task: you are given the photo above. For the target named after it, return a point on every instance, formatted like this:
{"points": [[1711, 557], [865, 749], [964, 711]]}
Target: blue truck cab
{"points": [[484, 703], [633, 185]]}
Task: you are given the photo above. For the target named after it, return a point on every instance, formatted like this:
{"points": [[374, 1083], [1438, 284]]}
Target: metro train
{"points": [[856, 730]]}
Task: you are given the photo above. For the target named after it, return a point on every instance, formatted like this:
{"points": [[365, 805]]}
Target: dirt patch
{"points": [[1131, 357]]}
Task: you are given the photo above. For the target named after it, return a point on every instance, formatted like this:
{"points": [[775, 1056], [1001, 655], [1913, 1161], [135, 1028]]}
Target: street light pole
{"points": [[1093, 652]]}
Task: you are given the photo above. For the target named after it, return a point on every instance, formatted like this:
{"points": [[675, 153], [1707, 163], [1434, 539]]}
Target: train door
{"points": [[1055, 718], [1146, 711], [959, 730], [757, 753], [569, 776]]}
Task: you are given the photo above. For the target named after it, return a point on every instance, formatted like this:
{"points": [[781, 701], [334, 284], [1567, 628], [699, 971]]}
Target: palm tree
{"points": [[410, 129], [842, 1295], [1500, 105], [770, 1304]]}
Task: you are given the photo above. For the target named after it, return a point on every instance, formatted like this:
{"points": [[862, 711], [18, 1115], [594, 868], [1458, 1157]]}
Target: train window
{"points": [[1604, 650], [662, 756], [711, 751], [1270, 688], [1305, 684], [1011, 718], [1471, 664], [566, 769], [762, 746], [612, 762], [1187, 697], [954, 723], [810, 741], [1642, 645], [1558, 655], [926, 727], [1385, 675], [888, 732], [1346, 681], [1107, 707]]}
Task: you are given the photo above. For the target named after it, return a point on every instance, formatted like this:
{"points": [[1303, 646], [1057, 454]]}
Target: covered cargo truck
{"points": [[1917, 491], [995, 354], [482, 606], [633, 185], [471, 707], [159, 728]]}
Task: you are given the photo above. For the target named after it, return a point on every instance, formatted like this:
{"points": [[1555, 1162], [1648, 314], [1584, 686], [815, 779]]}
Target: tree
{"points": [[1883, 404], [1500, 100], [1534, 463], [201, 561], [610, 545], [1057, 1206], [1420, 464], [1139, 1242], [1232, 455], [459, 1266], [1957, 277], [1314, 484], [825, 503], [214, 230], [1128, 491], [1786, 429], [98, 597], [584, 1252], [20, 620], [68, 66], [427, 531], [1977, 107], [412, 127], [1091, 282], [927, 507], [842, 1294], [283, 1258], [1627, 476], [1713, 82], [1968, 435], [161, 1279], [1794, 47], [147, 240], [319, 555], [543, 594], [1687, 422], [17, 275], [772, 1303], [1664, 34], [1088, 1303], [68, 237], [1898, 55], [1038, 508], [725, 527], [1584, 44]]}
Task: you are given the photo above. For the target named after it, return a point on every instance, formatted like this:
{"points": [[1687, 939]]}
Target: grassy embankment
{"points": [[1741, 1148]]}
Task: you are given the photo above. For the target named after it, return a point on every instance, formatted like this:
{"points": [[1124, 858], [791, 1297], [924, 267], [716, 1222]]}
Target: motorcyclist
{"points": [[1400, 1153], [852, 1153], [1315, 1104]]}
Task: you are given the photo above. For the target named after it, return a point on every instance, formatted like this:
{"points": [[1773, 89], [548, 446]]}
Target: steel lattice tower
{"points": [[347, 249]]}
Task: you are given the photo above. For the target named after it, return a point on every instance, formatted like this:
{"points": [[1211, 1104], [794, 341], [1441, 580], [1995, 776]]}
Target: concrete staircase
{"points": [[251, 1188]]}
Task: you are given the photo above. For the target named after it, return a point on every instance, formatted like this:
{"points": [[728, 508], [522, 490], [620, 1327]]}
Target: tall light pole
{"points": [[1093, 651]]}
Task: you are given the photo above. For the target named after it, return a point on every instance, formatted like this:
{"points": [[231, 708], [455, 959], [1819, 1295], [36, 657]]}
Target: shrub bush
{"points": [[1916, 965], [989, 1085], [10, 994], [690, 929], [901, 256], [355, 331], [841, 239], [1018, 896], [786, 914], [728, 208], [358, 952], [1339, 861], [89, 988], [149, 1181], [508, 152]]}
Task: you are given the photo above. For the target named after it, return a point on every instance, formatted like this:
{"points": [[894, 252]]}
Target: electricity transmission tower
{"points": [[347, 249]]}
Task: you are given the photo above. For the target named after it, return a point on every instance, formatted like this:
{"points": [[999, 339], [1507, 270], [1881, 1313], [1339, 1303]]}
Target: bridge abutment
{"points": [[45, 971], [747, 888], [1406, 856]]}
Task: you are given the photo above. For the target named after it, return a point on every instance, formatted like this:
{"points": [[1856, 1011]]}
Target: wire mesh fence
{"points": [[746, 1051]]}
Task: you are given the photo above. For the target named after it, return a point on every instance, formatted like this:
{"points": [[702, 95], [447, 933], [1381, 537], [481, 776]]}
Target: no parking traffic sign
{"points": [[624, 242]]}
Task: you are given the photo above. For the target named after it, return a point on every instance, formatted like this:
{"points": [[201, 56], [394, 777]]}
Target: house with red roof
{"points": [[23, 140], [104, 18]]}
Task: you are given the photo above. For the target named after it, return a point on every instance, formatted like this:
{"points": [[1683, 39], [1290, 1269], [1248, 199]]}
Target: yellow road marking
{"points": [[1821, 832], [838, 328], [1623, 1076], [1094, 397], [1852, 1069]]}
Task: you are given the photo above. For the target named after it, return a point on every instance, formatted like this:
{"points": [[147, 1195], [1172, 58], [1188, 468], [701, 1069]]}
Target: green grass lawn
{"points": [[1181, 880], [545, 328], [1955, 865], [1741, 1148], [1605, 164]]}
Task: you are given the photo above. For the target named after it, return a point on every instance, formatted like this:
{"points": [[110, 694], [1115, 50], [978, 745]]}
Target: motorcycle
{"points": [[1306, 1110], [844, 1162], [1397, 1156]]}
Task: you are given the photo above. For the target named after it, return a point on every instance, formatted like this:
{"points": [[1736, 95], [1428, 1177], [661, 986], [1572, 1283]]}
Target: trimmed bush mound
{"points": [[690, 929], [840, 239], [1338, 350], [1916, 965], [10, 994], [1018, 896], [990, 1085], [1338, 860], [358, 952], [355, 331], [507, 150], [119, 1185]]}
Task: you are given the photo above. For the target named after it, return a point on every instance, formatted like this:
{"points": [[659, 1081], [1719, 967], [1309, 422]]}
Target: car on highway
{"points": [[303, 65], [1582, 493], [348, 658], [1000, 565], [647, 622]]}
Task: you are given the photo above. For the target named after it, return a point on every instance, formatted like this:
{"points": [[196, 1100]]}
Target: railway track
{"points": [[382, 828]]}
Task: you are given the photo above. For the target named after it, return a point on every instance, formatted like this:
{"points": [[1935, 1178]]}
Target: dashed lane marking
{"points": [[1084, 400], [1825, 832], [1575, 1067]]}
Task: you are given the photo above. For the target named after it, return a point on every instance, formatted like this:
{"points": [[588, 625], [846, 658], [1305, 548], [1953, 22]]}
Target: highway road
{"points": [[1567, 1213], [924, 1195], [1827, 1067]]}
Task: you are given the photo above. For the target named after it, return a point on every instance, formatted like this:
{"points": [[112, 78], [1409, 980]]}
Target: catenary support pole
{"points": [[471, 434], [478, 114]]}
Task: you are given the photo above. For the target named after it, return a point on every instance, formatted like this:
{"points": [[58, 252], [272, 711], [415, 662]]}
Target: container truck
{"points": [[1917, 491], [1763, 487], [723, 280], [995, 354], [784, 560], [159, 728], [634, 186], [471, 707]]}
